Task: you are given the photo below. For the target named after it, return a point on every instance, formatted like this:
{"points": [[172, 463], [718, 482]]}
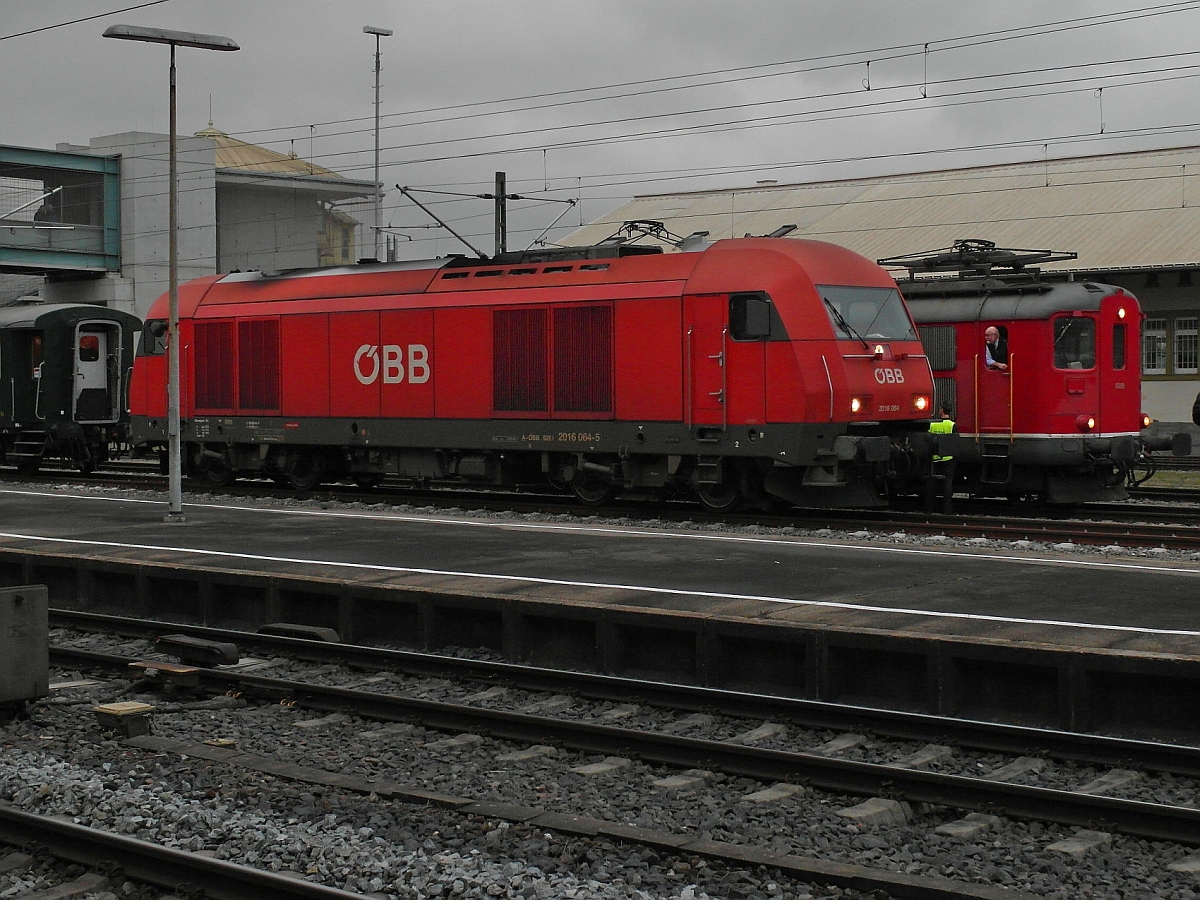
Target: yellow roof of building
{"points": [[241, 156], [1136, 209]]}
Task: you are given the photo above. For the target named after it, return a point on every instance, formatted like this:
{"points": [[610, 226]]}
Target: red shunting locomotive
{"points": [[1051, 407], [740, 371]]}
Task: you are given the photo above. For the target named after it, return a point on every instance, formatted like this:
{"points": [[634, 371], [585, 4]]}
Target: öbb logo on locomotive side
{"points": [[392, 364], [889, 376]]}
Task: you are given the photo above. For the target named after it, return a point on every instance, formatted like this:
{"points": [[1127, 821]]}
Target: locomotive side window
{"points": [[1118, 346], [154, 338], [749, 317], [1154, 347], [1074, 343], [35, 355], [867, 313]]}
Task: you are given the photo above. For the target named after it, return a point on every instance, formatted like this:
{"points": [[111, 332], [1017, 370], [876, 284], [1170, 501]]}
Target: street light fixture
{"points": [[203, 42], [378, 32]]}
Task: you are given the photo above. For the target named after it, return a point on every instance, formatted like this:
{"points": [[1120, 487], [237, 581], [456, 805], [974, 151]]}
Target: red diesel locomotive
{"points": [[1056, 415], [742, 370]]}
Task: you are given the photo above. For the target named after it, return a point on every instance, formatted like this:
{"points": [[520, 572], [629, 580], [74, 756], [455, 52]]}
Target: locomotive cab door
{"points": [[995, 391], [705, 354], [97, 387]]}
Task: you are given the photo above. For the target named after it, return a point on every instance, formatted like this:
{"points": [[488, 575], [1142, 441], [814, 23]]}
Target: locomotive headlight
{"points": [[921, 402], [856, 404], [1085, 422], [1121, 313], [1146, 420]]}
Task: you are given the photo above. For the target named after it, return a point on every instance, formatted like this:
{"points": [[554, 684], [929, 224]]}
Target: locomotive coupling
{"points": [[849, 447]]}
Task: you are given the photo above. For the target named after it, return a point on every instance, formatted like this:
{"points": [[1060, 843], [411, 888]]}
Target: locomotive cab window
{"points": [[1074, 342], [749, 317], [1118, 352], [154, 338], [867, 313]]}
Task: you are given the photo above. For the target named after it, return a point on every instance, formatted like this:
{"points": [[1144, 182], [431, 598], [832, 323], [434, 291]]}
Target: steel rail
{"points": [[1176, 759], [154, 864], [1136, 818]]}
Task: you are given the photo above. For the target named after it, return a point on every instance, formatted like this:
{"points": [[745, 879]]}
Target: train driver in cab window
{"points": [[995, 349]]}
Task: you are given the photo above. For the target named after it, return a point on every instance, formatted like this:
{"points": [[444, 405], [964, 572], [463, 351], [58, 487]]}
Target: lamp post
{"points": [[204, 42], [378, 32]]}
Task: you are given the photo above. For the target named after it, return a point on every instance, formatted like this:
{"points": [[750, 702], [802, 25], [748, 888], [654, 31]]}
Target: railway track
{"points": [[110, 859], [985, 736], [900, 775]]}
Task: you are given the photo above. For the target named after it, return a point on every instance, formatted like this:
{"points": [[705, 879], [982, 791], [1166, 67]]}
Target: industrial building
{"points": [[1132, 218]]}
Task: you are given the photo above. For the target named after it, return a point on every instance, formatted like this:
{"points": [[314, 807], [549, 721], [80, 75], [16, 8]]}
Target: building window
{"points": [[1186, 346], [1154, 347]]}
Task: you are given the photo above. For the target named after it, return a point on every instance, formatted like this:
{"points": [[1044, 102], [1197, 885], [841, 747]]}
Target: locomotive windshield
{"points": [[1074, 343], [867, 313]]}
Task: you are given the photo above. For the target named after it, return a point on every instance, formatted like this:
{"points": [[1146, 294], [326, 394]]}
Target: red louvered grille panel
{"points": [[214, 365], [583, 359], [258, 364], [519, 360]]}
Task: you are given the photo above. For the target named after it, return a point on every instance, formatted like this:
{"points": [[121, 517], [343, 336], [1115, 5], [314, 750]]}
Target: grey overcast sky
{"points": [[602, 101]]}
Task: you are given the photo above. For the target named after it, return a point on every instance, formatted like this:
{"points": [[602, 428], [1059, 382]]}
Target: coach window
{"points": [[749, 317], [154, 338], [1074, 342], [89, 348], [1118, 346]]}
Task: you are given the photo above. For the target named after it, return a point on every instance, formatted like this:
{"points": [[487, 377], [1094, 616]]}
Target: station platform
{"points": [[935, 628]]}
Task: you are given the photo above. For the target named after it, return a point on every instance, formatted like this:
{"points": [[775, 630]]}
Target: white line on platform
{"points": [[646, 589], [567, 528]]}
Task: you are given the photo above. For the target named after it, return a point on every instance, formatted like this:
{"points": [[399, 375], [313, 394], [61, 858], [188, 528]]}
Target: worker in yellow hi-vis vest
{"points": [[942, 466]]}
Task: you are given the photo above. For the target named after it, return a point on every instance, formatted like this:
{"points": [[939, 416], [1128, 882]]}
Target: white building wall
{"points": [[267, 229], [145, 203]]}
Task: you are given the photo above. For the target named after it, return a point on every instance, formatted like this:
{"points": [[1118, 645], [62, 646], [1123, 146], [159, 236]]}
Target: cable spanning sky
{"points": [[601, 103]]}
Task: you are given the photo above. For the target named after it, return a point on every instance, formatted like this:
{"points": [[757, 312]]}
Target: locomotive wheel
{"points": [[306, 474], [219, 474], [719, 497], [367, 482], [593, 491]]}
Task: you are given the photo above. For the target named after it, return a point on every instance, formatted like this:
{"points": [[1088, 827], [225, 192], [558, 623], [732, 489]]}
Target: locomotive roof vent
{"points": [[975, 257]]}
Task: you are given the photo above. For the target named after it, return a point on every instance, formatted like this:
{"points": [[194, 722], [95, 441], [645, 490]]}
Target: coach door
{"points": [[97, 373], [705, 351]]}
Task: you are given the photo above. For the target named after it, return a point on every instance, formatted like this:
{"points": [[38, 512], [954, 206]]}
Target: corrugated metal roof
{"points": [[241, 156], [1118, 210]]}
